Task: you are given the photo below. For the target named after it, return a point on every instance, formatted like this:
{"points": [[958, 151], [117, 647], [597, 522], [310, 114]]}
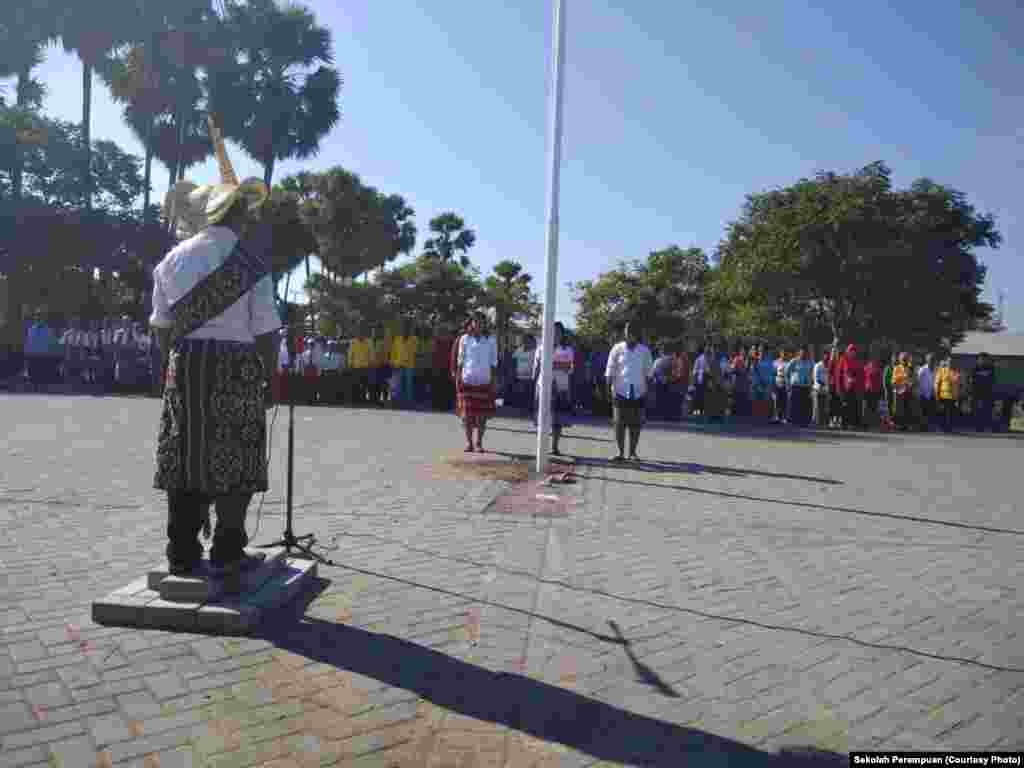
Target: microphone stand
{"points": [[289, 540]]}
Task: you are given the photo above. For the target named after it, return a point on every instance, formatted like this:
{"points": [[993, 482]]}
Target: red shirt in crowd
{"points": [[873, 377], [834, 363], [851, 372], [441, 356]]}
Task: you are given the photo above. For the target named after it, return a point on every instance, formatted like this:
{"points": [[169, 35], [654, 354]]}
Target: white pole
{"points": [[551, 294]]}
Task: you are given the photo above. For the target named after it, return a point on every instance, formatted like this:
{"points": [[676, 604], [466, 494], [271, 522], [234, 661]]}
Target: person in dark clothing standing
{"points": [[982, 387]]}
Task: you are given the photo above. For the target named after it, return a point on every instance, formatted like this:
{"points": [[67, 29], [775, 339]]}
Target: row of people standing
{"points": [[96, 357], [406, 370]]}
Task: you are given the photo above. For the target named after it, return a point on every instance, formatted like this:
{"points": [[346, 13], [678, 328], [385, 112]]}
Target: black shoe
{"points": [[246, 563], [618, 459], [184, 569]]}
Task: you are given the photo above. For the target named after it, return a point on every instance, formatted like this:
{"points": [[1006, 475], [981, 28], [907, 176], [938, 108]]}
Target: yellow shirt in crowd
{"points": [[947, 384], [359, 353], [902, 376], [403, 352]]}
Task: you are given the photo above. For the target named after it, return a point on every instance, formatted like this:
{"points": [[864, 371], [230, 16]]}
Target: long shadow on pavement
{"points": [[530, 706], [694, 468], [804, 504]]}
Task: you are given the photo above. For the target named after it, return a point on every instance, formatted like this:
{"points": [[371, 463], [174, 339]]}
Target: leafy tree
{"points": [[848, 257], [52, 170], [356, 227], [271, 99], [509, 292], [450, 238], [25, 31], [665, 292]]}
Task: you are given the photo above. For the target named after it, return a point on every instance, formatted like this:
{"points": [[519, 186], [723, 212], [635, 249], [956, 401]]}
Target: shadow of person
{"points": [[695, 468], [544, 711]]}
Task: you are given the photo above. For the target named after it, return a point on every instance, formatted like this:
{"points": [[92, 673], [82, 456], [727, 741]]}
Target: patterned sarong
{"points": [[213, 428], [475, 402], [213, 431]]}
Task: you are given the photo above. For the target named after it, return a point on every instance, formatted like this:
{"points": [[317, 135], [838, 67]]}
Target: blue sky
{"points": [[673, 112]]}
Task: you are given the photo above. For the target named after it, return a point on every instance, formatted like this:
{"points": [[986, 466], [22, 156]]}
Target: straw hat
{"points": [[194, 207]]}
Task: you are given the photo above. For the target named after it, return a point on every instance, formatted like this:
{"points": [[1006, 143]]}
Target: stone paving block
{"points": [[42, 735], [15, 716], [78, 752], [139, 705], [48, 695], [166, 685], [30, 756]]}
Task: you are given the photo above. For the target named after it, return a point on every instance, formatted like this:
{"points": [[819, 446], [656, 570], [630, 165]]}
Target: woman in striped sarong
{"points": [[476, 377]]}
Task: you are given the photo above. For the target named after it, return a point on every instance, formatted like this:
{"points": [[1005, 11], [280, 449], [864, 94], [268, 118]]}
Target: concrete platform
{"points": [[200, 605], [204, 585]]}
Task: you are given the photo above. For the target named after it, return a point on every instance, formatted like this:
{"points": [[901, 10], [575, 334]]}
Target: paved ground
{"points": [[737, 596]]}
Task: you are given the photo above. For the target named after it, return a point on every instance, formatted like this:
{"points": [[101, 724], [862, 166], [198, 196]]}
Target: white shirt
{"points": [[562, 360], [477, 356], [820, 377], [282, 355], [628, 369], [189, 262], [926, 381]]}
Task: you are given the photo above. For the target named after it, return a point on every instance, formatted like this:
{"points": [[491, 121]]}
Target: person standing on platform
{"points": [[629, 369], [215, 317]]}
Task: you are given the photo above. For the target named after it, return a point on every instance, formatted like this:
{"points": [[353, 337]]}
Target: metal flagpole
{"points": [[544, 394]]}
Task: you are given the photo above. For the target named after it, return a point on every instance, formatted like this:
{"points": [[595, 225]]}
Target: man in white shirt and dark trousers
{"points": [[215, 317], [629, 368]]}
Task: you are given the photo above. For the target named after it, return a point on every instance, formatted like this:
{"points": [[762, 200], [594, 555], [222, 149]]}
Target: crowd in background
{"points": [[837, 389], [412, 368], [98, 357]]}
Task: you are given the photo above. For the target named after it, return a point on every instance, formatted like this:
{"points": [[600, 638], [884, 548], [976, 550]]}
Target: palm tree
{"points": [[91, 30], [155, 78], [269, 100], [450, 238]]}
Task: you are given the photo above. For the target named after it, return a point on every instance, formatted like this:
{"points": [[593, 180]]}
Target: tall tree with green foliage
{"points": [[842, 257], [278, 94], [665, 293], [91, 31], [508, 291], [451, 239]]}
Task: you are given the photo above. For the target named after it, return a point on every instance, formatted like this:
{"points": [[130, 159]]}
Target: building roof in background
{"points": [[995, 344]]}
